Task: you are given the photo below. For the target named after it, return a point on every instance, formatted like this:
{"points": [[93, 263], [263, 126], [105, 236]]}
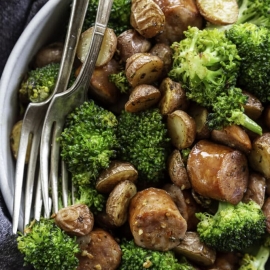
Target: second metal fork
{"points": [[34, 116], [62, 104]]}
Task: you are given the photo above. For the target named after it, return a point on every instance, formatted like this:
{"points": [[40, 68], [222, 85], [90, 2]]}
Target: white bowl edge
{"points": [[34, 36]]}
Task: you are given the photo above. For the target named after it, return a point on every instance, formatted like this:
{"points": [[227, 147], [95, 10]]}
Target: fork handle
{"points": [[102, 18]]}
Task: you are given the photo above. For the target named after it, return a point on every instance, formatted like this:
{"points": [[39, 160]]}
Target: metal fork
{"points": [[34, 117], [62, 104]]}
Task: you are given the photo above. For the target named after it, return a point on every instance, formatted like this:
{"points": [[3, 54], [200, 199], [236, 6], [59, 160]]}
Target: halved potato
{"points": [[142, 97], [130, 42], [143, 68], [107, 49], [117, 172], [15, 141], [259, 157], [233, 136], [181, 128], [173, 97], [199, 114], [220, 12], [177, 170], [147, 18], [118, 202]]}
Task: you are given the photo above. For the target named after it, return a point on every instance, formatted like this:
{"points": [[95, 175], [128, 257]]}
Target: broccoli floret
{"points": [[87, 194], [88, 141], [253, 44], [137, 258], [121, 82], [39, 83], [119, 18], [257, 259], [232, 227], [207, 64], [46, 246], [254, 11], [144, 143], [228, 109]]}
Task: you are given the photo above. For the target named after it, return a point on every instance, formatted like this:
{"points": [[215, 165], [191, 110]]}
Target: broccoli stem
{"points": [[262, 257], [242, 119]]}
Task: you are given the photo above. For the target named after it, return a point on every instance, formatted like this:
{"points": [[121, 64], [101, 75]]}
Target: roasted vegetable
{"points": [[226, 229], [46, 246], [144, 143]]}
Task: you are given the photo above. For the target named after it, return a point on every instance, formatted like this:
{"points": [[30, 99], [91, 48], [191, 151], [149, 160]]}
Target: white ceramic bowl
{"points": [[37, 33]]}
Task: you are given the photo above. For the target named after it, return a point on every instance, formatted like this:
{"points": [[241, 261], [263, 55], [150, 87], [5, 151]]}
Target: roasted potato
{"points": [[117, 172], [143, 68], [177, 170], [142, 97], [131, 42], [173, 97], [15, 141], [164, 52], [253, 108], [101, 87], [147, 18], [118, 202], [51, 53], [192, 248], [259, 157], [220, 12], [233, 136], [199, 114], [107, 50], [181, 128]]}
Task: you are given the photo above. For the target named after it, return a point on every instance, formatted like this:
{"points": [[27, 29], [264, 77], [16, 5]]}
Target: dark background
{"points": [[14, 17]]}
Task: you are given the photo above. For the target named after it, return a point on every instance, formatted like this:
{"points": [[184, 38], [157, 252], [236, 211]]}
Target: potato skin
{"points": [[218, 172], [147, 18], [259, 156], [155, 221], [130, 42]]}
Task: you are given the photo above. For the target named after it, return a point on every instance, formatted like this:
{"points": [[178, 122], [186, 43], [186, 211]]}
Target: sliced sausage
{"points": [[155, 220], [179, 14], [217, 171], [103, 252]]}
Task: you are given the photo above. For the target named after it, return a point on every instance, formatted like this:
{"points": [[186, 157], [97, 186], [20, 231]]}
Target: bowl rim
{"points": [[35, 32]]}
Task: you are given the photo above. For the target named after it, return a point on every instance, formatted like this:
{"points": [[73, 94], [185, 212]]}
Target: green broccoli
{"points": [[232, 227], [144, 143], [119, 18], [207, 65], [138, 258], [121, 82], [230, 104], [88, 141], [87, 194], [254, 11], [253, 44], [39, 83], [46, 246], [257, 259]]}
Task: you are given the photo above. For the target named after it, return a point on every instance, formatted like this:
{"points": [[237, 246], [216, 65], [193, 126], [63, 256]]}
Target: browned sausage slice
{"points": [[155, 221], [217, 171], [103, 252]]}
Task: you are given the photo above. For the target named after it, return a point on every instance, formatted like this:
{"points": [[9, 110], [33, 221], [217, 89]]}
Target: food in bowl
{"points": [[177, 149]]}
